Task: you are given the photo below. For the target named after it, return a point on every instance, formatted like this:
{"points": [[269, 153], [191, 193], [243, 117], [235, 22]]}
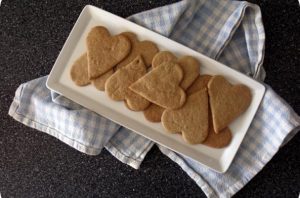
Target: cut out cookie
{"points": [[200, 83], [117, 86], [135, 102], [99, 82], [79, 71], [213, 139], [104, 51], [162, 57], [227, 101], [217, 140], [161, 86], [153, 113], [146, 49], [190, 67], [191, 120]]}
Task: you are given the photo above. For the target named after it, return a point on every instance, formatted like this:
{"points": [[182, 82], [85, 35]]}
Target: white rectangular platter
{"points": [[59, 81]]}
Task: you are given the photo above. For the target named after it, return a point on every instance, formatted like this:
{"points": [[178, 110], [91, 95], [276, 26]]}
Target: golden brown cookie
{"points": [[79, 71], [227, 101], [213, 139], [190, 67], [99, 82], [135, 102], [200, 83], [117, 85], [146, 49], [217, 140], [153, 113], [104, 51], [191, 120], [161, 86], [163, 56]]}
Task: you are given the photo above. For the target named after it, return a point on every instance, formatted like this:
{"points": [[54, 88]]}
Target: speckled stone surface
{"points": [[33, 164]]}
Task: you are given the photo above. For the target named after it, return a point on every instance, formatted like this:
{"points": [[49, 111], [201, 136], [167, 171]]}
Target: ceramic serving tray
{"points": [[59, 81]]}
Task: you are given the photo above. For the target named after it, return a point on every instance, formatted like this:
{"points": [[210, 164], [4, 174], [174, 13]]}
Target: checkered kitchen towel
{"points": [[228, 31]]}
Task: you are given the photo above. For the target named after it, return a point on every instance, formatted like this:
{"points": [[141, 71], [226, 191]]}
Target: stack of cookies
{"points": [[166, 88]]}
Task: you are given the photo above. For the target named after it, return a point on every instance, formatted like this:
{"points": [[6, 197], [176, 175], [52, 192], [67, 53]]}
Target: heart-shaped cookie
{"points": [[104, 51], [79, 74], [227, 101], [191, 120], [153, 113], [99, 82], [79, 71], [199, 84], [117, 86], [161, 86], [214, 140], [135, 102], [189, 65], [162, 57], [217, 140], [146, 49]]}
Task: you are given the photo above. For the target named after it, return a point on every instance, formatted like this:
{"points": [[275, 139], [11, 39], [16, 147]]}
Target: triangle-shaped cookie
{"points": [[161, 86]]}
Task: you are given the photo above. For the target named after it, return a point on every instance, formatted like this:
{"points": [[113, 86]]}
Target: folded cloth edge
{"points": [[46, 129], [134, 163]]}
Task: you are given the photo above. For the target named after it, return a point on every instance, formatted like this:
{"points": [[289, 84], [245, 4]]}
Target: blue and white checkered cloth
{"points": [[228, 31]]}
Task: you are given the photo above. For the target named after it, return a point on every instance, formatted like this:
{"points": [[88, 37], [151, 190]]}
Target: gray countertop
{"points": [[34, 164]]}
